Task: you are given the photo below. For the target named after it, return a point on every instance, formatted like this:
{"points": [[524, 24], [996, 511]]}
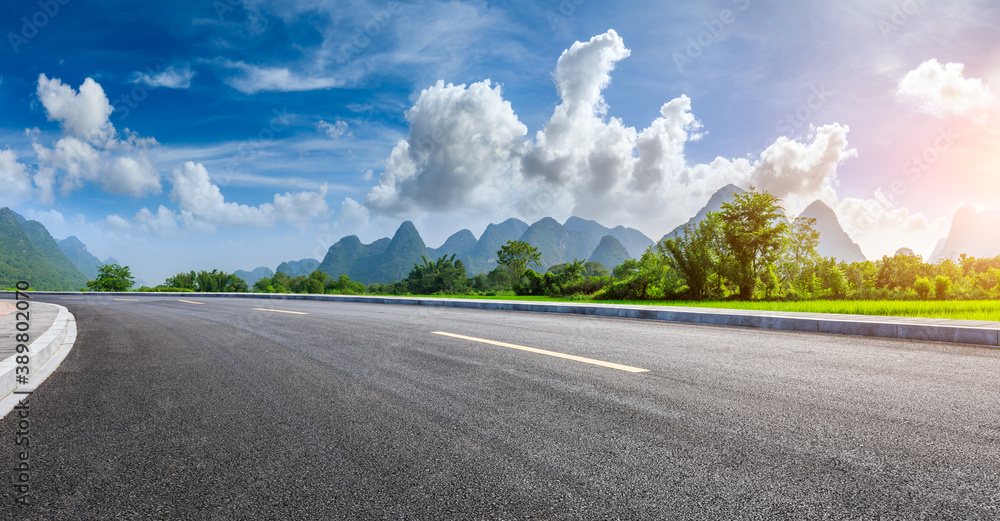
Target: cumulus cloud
{"points": [[171, 78], [800, 173], [91, 149], [458, 154], [878, 220], [82, 114], [14, 179], [201, 200], [252, 79], [334, 130], [943, 90]]}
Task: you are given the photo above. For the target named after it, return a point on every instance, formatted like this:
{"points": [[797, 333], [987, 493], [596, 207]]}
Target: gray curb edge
{"points": [[39, 352]]}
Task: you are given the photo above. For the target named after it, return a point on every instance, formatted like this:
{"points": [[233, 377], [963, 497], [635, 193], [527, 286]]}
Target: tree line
{"points": [[747, 250]]}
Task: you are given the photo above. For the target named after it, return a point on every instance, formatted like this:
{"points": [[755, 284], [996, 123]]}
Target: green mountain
{"points": [[483, 257], [610, 252], [298, 268], [342, 256], [558, 244], [404, 250], [21, 260], [54, 255], [251, 277], [634, 241], [460, 243], [77, 252]]}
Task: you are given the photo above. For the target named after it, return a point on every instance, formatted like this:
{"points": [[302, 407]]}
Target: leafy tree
{"points": [[517, 257], [694, 254], [923, 287], [941, 286], [595, 269], [112, 277], [446, 275], [753, 230], [344, 285]]}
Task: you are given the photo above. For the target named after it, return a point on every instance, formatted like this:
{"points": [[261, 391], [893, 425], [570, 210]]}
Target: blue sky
{"points": [[228, 134]]}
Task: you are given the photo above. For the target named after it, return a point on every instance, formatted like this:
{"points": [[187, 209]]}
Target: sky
{"points": [[232, 134]]}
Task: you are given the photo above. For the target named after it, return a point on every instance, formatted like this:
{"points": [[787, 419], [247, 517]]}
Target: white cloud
{"points": [[170, 78], [91, 151], [202, 201], [800, 173], [253, 79], [14, 179], [458, 154], [943, 90], [128, 176], [333, 130], [885, 227], [82, 114]]}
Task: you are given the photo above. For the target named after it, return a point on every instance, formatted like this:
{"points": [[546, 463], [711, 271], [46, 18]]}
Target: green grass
{"points": [[988, 310]]}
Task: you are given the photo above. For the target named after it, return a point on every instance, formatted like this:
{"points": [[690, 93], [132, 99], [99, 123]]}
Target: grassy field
{"points": [[952, 309]]}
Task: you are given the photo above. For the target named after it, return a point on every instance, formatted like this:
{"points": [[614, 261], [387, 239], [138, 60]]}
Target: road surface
{"points": [[220, 408]]}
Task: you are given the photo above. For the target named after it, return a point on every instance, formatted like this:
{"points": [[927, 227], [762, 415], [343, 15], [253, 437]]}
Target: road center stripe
{"points": [[601, 363], [191, 302], [281, 311]]}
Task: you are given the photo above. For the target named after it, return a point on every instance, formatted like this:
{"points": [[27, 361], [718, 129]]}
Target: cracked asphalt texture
{"points": [[169, 410]]}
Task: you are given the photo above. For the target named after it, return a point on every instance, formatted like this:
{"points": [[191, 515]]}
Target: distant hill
{"points": [[251, 277], [634, 241], [54, 255], [973, 233], [20, 259], [833, 240], [385, 260], [460, 243], [483, 257], [610, 252], [78, 254], [714, 204], [298, 268], [558, 244]]}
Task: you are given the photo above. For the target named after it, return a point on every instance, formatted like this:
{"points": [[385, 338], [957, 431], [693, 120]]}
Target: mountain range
{"points": [[29, 253]]}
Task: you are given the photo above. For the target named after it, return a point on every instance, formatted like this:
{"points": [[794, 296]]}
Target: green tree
{"points": [[753, 230], [923, 287], [942, 285], [694, 254], [517, 257], [112, 277], [446, 275]]}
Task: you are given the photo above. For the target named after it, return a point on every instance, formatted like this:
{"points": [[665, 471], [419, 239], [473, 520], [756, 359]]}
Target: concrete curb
{"points": [[39, 352], [955, 331]]}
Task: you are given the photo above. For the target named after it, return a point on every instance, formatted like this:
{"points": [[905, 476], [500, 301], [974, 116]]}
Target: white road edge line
{"points": [[280, 311], [585, 360]]}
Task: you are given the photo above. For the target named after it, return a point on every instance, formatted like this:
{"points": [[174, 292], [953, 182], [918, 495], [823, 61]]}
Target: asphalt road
{"points": [[173, 410]]}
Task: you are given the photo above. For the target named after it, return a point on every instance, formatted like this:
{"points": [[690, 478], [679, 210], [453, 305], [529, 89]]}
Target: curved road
{"points": [[167, 409]]}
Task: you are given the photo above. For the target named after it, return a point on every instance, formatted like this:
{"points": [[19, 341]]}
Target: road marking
{"points": [[601, 363], [192, 302], [281, 311], [128, 299]]}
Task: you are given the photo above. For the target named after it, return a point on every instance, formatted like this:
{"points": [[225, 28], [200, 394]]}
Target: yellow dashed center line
{"points": [[281, 311], [585, 360], [192, 302]]}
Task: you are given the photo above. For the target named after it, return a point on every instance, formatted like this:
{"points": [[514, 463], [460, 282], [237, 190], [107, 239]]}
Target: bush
{"points": [[923, 287], [941, 286]]}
